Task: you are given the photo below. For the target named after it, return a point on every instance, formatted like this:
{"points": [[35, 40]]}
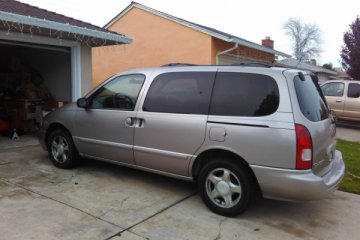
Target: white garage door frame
{"points": [[75, 54]]}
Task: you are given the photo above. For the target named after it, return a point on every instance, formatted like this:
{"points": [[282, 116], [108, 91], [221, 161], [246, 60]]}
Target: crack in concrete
{"points": [[119, 235], [146, 238], [153, 215], [218, 236], [112, 209], [123, 201]]}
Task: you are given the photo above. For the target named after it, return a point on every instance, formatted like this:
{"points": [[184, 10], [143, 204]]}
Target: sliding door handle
{"points": [[140, 123]]}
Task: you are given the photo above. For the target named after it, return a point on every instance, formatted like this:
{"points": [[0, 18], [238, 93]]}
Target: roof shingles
{"points": [[27, 17], [16, 7]]}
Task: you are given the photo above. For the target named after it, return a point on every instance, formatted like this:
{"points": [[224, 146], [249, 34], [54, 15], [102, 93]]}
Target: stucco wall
{"points": [[157, 41]]}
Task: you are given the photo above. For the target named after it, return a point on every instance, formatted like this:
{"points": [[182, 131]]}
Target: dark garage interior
{"points": [[34, 79]]}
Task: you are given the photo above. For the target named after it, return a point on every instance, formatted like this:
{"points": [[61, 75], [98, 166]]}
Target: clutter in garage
{"points": [[24, 96]]}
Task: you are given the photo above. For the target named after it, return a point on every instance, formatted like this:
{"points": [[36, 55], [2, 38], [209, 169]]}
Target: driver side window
{"points": [[120, 93], [335, 89]]}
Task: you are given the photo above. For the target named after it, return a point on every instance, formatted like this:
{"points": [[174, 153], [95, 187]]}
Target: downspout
{"points": [[224, 52]]}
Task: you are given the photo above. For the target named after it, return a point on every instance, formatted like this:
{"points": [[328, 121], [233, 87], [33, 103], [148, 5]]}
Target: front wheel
{"points": [[61, 149], [225, 187]]}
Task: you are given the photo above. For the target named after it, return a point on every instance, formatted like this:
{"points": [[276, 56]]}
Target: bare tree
{"points": [[306, 38]]}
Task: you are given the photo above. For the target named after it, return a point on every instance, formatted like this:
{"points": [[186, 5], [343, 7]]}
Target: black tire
{"points": [[225, 187], [61, 149]]}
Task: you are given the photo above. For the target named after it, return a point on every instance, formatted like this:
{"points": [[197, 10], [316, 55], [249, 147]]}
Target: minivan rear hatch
{"points": [[311, 111]]}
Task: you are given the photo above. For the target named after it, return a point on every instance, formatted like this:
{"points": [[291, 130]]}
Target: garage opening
{"points": [[34, 79]]}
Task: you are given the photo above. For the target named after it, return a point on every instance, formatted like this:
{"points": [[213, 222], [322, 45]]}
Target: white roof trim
{"points": [[43, 23], [196, 27], [294, 63], [168, 17]]}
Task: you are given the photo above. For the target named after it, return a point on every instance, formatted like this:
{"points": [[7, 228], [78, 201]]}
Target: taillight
{"points": [[304, 148]]}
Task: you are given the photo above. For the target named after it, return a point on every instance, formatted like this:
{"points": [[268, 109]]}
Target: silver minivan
{"points": [[238, 131]]}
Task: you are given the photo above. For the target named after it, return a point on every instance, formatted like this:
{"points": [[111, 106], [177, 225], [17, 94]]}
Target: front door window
{"points": [[120, 93]]}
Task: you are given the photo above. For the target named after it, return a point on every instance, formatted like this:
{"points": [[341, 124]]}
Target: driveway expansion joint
{"points": [[60, 202], [153, 215]]}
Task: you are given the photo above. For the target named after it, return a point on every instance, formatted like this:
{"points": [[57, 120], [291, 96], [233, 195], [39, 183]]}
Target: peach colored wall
{"points": [[219, 46], [156, 41]]}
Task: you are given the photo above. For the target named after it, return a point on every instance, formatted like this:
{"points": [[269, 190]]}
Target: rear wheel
{"points": [[61, 149], [225, 187]]}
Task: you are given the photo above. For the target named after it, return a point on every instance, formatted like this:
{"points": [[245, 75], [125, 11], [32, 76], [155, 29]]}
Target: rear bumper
{"points": [[299, 185]]}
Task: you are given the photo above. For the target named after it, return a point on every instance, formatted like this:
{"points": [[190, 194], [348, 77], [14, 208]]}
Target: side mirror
{"points": [[82, 103]]}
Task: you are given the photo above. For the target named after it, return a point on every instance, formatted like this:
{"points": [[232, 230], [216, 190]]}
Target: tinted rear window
{"points": [[311, 100], [244, 94], [180, 92]]}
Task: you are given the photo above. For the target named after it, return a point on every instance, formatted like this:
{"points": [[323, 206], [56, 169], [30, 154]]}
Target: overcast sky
{"points": [[251, 20]]}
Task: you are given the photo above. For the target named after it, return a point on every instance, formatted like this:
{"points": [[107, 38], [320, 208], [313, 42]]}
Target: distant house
{"points": [[160, 38], [341, 74], [322, 73]]}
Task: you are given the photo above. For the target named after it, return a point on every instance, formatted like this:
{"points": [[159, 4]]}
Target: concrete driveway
{"points": [[349, 133], [102, 201]]}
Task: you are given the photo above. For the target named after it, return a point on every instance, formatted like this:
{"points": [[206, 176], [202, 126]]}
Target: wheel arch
{"points": [[210, 154], [64, 153], [52, 127]]}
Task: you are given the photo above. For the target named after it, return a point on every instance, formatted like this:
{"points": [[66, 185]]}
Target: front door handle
{"points": [[338, 100], [130, 122], [134, 122]]}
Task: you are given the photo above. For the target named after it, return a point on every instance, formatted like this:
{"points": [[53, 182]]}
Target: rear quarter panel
{"points": [[269, 142], [322, 133], [263, 141]]}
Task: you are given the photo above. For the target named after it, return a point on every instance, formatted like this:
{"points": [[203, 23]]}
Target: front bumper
{"points": [[299, 185]]}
